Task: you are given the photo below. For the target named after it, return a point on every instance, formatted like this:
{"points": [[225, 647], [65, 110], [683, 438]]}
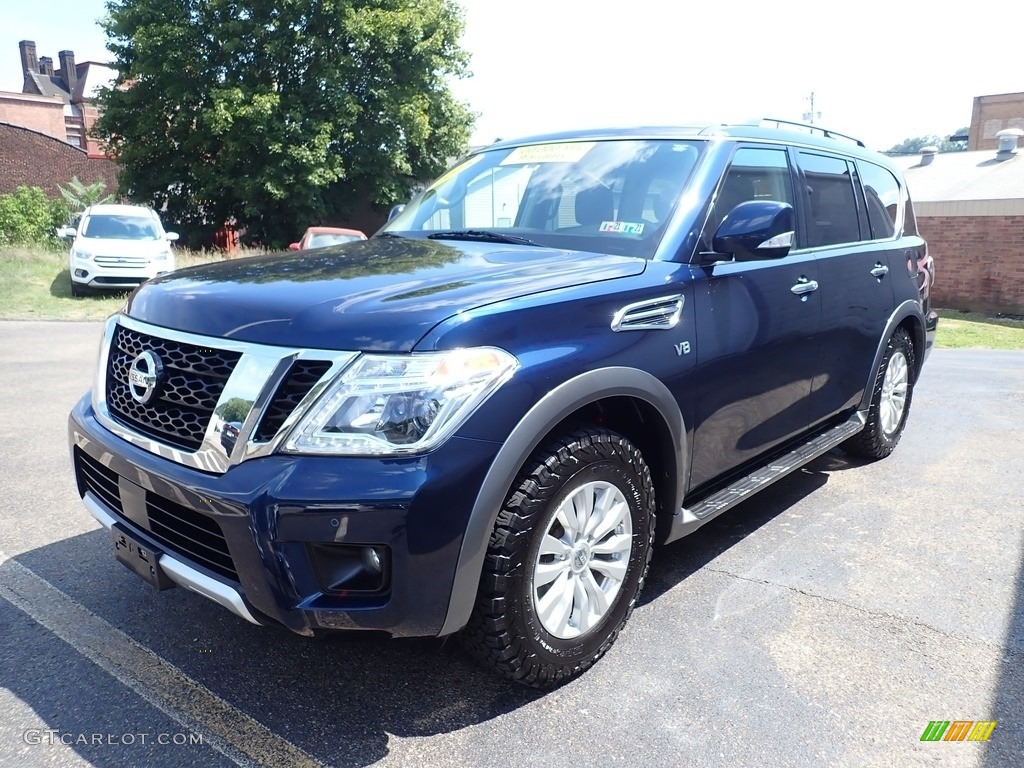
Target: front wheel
{"points": [[890, 401], [566, 560]]}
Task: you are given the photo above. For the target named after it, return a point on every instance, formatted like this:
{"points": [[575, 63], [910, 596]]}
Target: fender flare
{"points": [[555, 406], [908, 308]]}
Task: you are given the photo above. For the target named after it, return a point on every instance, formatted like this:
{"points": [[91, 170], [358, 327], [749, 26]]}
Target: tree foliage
{"points": [[916, 144], [281, 113], [28, 217]]}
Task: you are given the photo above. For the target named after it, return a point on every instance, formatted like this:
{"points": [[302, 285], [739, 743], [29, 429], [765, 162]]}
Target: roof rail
{"points": [[828, 134]]}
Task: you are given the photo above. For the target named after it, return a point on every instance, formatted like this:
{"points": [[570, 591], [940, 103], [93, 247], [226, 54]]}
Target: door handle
{"points": [[804, 286], [880, 270]]}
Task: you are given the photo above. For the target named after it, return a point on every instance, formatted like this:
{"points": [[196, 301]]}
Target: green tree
{"points": [[281, 113], [235, 409], [28, 217], [916, 144], [80, 196]]}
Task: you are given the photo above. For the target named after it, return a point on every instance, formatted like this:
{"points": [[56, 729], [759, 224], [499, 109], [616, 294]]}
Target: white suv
{"points": [[117, 247]]}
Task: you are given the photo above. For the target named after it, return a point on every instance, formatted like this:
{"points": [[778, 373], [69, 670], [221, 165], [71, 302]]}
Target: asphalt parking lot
{"points": [[825, 622]]}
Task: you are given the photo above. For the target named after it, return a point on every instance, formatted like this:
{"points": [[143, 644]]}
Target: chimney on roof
{"points": [[28, 56], [928, 154], [45, 65], [68, 71], [1008, 142]]}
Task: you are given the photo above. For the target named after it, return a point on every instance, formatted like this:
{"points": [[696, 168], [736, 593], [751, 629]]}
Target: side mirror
{"points": [[294, 247], [755, 230], [395, 211], [172, 236], [66, 232]]}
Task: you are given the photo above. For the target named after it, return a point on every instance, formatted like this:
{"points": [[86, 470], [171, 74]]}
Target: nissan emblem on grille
{"points": [[144, 375]]}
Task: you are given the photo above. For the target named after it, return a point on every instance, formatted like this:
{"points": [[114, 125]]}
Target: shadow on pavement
{"points": [[1006, 745], [674, 562], [338, 698]]}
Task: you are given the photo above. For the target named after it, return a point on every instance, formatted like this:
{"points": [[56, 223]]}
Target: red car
{"points": [[321, 237]]}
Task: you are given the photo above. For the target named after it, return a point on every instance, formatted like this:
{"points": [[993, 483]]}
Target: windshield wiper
{"points": [[391, 234], [482, 235]]}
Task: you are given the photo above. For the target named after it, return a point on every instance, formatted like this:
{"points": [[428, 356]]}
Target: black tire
{"points": [[878, 439], [505, 631], [78, 290]]}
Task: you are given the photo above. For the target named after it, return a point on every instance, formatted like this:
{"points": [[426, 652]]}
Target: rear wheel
{"points": [[566, 560], [890, 401]]}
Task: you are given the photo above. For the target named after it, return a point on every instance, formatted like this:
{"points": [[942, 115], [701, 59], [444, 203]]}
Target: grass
{"points": [[35, 285], [962, 330]]}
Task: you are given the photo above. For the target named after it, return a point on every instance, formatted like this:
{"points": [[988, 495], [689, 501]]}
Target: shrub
{"points": [[27, 217]]}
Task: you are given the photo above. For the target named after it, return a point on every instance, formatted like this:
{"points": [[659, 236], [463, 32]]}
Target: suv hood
{"points": [[382, 294]]}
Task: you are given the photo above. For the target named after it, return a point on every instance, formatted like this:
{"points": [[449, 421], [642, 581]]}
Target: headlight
{"points": [[77, 253], [400, 404], [164, 256]]}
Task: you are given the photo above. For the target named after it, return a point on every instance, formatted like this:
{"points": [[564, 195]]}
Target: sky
{"points": [[880, 70]]}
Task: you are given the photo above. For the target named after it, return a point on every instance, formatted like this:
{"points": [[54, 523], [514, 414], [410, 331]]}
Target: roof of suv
{"points": [[764, 129], [111, 209]]}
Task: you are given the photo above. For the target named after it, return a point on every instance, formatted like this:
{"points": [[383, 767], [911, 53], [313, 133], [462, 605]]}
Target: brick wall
{"points": [[979, 261], [30, 159], [992, 114]]}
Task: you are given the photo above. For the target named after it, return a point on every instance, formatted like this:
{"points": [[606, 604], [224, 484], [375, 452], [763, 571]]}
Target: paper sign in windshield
{"points": [[571, 152], [622, 227]]}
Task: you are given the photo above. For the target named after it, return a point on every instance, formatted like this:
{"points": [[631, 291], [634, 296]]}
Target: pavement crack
{"points": [[1007, 652]]}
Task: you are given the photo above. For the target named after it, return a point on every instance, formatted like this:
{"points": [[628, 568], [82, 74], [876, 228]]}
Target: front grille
{"points": [[99, 480], [127, 262], [193, 534], [178, 529], [119, 280], [191, 384], [301, 378]]}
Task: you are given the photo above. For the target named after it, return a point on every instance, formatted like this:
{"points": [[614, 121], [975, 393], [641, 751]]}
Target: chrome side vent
{"points": [[659, 314]]}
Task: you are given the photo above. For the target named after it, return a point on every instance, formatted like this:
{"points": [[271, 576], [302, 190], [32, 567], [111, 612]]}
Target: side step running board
{"points": [[705, 510]]}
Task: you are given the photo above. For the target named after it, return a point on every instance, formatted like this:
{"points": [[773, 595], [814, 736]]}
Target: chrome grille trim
{"points": [[662, 313], [255, 378]]}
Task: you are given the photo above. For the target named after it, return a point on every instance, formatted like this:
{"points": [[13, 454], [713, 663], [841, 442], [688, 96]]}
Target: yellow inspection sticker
{"points": [[570, 152]]}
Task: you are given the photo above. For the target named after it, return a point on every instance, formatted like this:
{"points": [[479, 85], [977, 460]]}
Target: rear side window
{"points": [[882, 195], [831, 202]]}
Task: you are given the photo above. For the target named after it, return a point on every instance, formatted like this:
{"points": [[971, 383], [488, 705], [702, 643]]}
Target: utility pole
{"points": [[809, 117]]}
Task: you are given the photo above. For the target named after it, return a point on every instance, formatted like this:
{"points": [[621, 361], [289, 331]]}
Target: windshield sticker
{"points": [[548, 153], [622, 227]]}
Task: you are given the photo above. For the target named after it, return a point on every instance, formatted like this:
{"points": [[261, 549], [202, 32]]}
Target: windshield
{"points": [[114, 227], [322, 239], [603, 196]]}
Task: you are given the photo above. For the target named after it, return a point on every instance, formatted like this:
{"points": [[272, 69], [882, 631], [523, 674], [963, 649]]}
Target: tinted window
{"points": [[755, 174], [832, 206], [882, 193]]}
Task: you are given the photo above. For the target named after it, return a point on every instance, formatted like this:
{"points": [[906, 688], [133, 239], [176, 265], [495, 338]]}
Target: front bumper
{"points": [[89, 273], [287, 523]]}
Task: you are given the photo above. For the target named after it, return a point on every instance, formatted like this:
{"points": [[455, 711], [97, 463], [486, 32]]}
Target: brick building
{"points": [[992, 114], [970, 209], [59, 103], [44, 130]]}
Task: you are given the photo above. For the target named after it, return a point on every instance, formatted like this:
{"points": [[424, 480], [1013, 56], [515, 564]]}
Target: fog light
{"points": [[371, 560], [81, 273]]}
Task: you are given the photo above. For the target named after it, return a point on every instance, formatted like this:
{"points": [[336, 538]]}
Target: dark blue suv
{"points": [[481, 420]]}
